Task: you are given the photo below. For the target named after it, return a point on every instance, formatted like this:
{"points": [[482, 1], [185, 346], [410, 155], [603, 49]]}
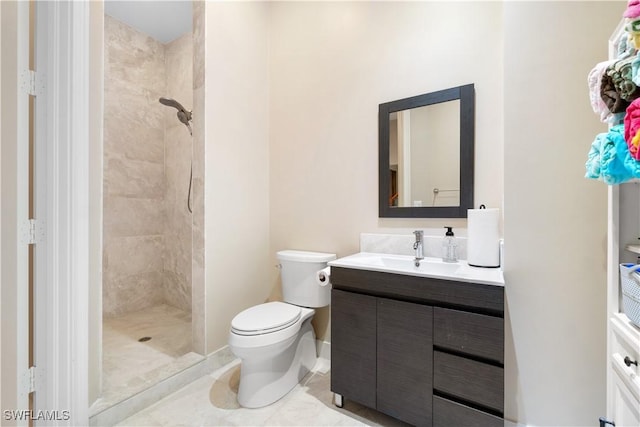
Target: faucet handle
{"points": [[419, 234]]}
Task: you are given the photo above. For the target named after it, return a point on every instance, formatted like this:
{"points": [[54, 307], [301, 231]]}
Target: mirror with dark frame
{"points": [[426, 151]]}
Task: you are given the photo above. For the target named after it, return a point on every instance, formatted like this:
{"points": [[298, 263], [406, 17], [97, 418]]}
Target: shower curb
{"points": [[122, 410]]}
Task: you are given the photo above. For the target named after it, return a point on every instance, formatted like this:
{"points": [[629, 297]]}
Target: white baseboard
{"points": [[324, 349]]}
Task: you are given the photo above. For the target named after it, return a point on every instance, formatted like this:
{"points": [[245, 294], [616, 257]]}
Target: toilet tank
{"points": [[299, 271]]}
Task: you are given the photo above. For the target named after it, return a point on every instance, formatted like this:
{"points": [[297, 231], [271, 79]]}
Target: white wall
{"points": [[237, 264], [435, 135], [331, 64], [555, 221]]}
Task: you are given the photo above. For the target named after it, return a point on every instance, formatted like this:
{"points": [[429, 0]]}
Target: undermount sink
{"points": [[428, 267]]}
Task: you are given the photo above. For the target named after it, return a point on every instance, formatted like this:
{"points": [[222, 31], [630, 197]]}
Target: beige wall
{"points": [[555, 221], [96, 81], [15, 36], [15, 348], [331, 64], [0, 201], [236, 184]]}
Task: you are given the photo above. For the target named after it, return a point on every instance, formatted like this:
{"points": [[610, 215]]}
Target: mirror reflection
{"points": [[424, 156]]}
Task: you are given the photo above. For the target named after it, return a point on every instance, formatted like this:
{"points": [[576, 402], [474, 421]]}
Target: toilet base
{"points": [[264, 380]]}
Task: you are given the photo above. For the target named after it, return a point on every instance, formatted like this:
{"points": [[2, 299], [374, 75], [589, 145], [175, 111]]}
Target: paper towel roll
{"points": [[483, 237], [323, 277]]}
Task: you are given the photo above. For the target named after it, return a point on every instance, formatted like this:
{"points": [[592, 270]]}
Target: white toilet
{"points": [[275, 340]]}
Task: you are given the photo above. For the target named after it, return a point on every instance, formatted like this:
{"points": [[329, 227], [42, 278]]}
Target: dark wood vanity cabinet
{"points": [[382, 354], [426, 351], [353, 346]]}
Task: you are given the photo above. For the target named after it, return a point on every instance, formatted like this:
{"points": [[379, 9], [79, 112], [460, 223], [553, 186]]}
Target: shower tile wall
{"points": [[198, 320], [178, 151], [134, 183], [145, 177]]}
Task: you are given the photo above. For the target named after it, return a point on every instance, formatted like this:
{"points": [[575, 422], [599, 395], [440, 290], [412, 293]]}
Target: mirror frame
{"points": [[466, 95]]}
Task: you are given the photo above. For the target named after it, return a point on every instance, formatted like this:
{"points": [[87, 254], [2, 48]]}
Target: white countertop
{"points": [[429, 267]]}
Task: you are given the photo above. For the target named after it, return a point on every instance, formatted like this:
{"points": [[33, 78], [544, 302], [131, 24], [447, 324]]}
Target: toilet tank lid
{"points": [[305, 256]]}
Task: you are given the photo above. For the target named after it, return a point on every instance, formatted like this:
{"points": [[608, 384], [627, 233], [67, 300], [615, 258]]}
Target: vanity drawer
{"points": [[470, 380], [470, 333], [447, 413]]}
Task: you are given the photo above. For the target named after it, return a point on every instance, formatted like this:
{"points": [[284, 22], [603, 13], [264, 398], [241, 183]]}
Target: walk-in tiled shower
{"points": [[148, 225]]}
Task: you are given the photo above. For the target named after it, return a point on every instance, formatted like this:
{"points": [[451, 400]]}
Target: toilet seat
{"points": [[265, 318]]}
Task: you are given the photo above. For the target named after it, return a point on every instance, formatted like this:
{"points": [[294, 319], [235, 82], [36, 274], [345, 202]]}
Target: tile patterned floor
{"points": [[211, 401]]}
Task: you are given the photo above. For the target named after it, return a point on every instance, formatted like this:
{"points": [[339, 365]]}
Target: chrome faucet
{"points": [[418, 246]]}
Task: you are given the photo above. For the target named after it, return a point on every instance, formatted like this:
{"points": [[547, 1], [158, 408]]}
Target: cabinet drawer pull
{"points": [[629, 362]]}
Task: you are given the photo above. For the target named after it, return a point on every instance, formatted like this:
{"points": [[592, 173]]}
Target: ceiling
{"points": [[165, 21]]}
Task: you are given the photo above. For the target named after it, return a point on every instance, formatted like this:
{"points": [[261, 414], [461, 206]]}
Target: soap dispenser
{"points": [[449, 246]]}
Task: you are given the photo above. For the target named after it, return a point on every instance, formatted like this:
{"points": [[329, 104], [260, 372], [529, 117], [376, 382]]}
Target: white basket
{"points": [[631, 291]]}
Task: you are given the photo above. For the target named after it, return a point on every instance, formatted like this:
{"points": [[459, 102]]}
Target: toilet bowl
{"points": [[273, 362], [275, 341]]}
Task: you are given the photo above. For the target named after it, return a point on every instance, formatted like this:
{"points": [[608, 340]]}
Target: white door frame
{"points": [[62, 328], [41, 177], [62, 199]]}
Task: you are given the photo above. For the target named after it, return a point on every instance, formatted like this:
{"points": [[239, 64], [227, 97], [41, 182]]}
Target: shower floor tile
{"points": [[128, 364]]}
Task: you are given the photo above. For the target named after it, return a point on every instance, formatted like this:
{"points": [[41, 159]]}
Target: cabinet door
{"points": [[626, 408], [625, 395], [353, 346], [405, 361]]}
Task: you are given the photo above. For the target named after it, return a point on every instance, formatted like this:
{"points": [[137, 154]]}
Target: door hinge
{"points": [[31, 82], [32, 232], [32, 379], [29, 382]]}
